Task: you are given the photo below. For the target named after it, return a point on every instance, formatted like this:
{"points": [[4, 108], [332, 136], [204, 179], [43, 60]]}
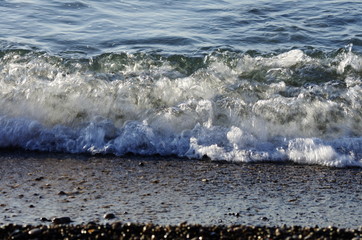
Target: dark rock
{"points": [[109, 216], [116, 226], [119, 230], [18, 234], [61, 220], [62, 193], [91, 224], [35, 232]]}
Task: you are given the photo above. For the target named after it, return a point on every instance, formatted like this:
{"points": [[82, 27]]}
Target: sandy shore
{"points": [[38, 187]]}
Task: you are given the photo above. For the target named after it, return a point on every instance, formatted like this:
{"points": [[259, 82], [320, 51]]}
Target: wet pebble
{"points": [[38, 178], [61, 220], [109, 216], [119, 230], [18, 234], [35, 232], [234, 214], [44, 219]]}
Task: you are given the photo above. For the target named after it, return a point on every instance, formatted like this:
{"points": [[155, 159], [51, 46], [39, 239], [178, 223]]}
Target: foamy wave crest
{"points": [[293, 106], [217, 143]]}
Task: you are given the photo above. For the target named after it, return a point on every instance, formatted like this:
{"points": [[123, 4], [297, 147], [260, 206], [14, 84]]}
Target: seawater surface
{"points": [[231, 80]]}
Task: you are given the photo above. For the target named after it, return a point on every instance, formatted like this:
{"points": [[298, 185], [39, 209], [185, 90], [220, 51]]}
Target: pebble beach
{"points": [[61, 196], [183, 231]]}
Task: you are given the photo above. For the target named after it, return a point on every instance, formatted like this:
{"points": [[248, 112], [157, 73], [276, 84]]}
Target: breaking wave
{"points": [[300, 105]]}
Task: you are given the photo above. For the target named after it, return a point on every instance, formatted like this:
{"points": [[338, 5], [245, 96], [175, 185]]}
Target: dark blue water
{"points": [[182, 27], [230, 80]]}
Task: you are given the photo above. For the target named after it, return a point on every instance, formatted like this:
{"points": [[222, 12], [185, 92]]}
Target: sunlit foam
{"points": [[235, 107]]}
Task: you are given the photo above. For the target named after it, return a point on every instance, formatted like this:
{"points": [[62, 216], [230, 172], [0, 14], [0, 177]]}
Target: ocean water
{"points": [[242, 81]]}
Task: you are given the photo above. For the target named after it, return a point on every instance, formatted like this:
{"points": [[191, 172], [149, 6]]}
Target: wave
{"points": [[298, 105]]}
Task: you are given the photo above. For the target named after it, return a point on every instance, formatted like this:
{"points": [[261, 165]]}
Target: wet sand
{"points": [[38, 187]]}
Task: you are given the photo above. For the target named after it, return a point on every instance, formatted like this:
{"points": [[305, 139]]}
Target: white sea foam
{"points": [[314, 151], [240, 108]]}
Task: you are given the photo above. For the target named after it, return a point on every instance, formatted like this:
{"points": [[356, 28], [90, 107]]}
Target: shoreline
{"points": [[37, 187]]}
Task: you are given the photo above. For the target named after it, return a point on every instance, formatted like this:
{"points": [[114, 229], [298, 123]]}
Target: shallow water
{"points": [[249, 81]]}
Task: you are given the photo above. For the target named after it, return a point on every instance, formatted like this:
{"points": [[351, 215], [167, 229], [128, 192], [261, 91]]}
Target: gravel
{"points": [[119, 230]]}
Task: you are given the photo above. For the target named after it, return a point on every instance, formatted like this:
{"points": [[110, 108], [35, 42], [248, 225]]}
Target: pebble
{"points": [[109, 216], [44, 219], [61, 220], [119, 230], [17, 234], [35, 232], [234, 214], [39, 178]]}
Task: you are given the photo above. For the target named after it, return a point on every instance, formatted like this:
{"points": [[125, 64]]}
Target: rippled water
{"points": [[230, 80], [182, 27]]}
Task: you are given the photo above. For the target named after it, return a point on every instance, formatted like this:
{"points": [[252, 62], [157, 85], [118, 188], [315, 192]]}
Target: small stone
{"points": [[61, 220], [35, 232], [39, 178], [310, 236], [116, 225], [17, 234], [62, 193], [109, 216], [91, 224]]}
